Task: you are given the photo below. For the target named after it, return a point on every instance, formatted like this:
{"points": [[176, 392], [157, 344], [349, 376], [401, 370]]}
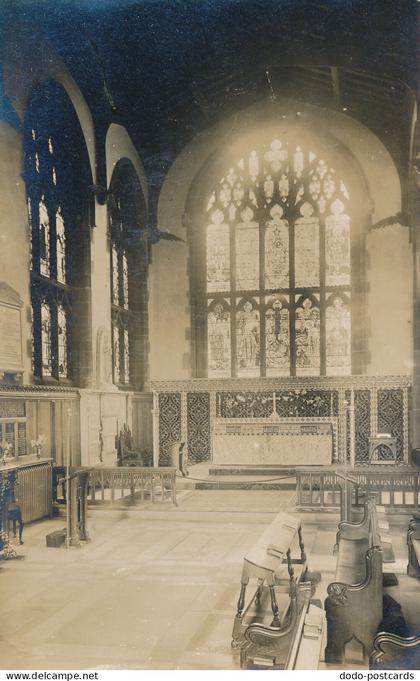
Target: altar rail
{"points": [[320, 488], [129, 485]]}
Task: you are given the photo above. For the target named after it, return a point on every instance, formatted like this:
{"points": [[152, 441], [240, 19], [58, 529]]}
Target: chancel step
{"points": [[245, 484], [272, 471], [232, 477]]}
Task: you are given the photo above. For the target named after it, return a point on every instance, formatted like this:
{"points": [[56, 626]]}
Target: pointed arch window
{"points": [[57, 177], [129, 265], [278, 266]]}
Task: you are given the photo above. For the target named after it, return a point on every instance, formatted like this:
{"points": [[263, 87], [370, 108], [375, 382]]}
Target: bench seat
{"points": [[416, 547], [413, 543], [351, 568]]}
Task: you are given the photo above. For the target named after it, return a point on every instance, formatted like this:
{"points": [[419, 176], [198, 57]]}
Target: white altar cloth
{"points": [[265, 442]]}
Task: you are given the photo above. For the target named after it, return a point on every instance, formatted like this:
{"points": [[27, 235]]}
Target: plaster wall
{"points": [[14, 232]]}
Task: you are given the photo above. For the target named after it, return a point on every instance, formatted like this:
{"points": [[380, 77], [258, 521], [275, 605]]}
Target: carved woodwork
{"points": [[354, 603], [264, 624]]}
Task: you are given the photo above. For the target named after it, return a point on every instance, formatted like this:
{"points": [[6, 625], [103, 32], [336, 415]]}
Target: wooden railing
{"points": [[322, 488], [130, 485]]}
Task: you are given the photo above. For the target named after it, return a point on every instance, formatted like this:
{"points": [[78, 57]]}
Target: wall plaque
{"points": [[10, 329]]}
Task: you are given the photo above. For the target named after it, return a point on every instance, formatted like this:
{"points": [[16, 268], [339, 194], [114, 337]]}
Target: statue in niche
{"points": [[103, 358]]}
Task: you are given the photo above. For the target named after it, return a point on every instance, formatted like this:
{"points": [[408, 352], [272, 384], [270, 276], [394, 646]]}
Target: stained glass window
{"points": [[338, 336], [218, 335], [56, 174], [46, 339], [248, 338], [62, 341], [278, 265], [44, 238], [61, 247], [218, 253], [307, 338], [277, 336], [128, 273], [116, 353]]}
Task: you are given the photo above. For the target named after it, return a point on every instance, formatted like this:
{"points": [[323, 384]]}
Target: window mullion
{"points": [[233, 301], [261, 304], [54, 331], [322, 297], [292, 309]]}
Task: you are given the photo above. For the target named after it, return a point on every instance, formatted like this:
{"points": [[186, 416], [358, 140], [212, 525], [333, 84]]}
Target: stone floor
{"points": [[156, 588]]}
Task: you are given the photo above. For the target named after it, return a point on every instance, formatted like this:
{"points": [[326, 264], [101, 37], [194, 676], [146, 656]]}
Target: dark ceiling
{"points": [[168, 68]]}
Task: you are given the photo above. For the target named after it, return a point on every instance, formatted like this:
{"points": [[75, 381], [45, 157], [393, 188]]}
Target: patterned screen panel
{"points": [[244, 405], [198, 427], [391, 416], [288, 403], [169, 424], [12, 408], [362, 425]]}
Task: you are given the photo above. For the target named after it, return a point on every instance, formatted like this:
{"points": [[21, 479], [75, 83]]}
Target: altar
{"points": [[280, 421], [265, 442]]}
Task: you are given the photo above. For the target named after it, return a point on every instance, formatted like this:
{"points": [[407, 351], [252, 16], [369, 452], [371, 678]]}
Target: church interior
{"points": [[209, 335]]}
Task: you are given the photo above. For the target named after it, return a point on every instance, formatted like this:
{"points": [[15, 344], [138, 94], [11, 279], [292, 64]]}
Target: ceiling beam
{"points": [[337, 86]]}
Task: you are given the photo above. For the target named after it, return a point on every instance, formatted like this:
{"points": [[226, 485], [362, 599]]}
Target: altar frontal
{"points": [[276, 444]]}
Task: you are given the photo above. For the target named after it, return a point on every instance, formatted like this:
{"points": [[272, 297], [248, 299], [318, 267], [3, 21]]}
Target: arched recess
{"points": [[57, 176], [129, 268], [34, 62], [277, 233]]}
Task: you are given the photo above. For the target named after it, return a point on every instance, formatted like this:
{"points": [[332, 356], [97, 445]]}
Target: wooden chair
{"points": [[127, 454]]}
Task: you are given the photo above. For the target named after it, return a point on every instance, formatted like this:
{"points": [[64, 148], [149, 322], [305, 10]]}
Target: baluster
{"points": [[274, 607], [241, 599], [92, 485], [173, 486], [142, 485], [152, 488], [132, 489], [162, 482], [290, 568], [301, 545], [102, 480]]}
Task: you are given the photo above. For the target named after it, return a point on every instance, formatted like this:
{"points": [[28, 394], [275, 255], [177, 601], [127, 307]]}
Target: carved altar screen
{"points": [[278, 266]]}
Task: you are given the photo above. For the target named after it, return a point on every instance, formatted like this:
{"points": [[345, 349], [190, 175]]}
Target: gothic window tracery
{"points": [[278, 263]]}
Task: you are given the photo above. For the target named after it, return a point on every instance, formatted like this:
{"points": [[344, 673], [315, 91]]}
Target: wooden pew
{"points": [[306, 649], [413, 543], [266, 626], [354, 603]]}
